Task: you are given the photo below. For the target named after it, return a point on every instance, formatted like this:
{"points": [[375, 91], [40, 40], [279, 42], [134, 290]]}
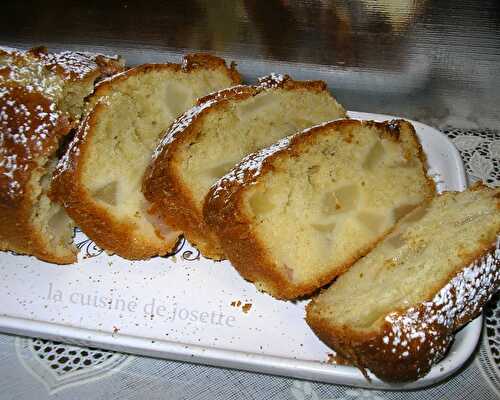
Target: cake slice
{"points": [[98, 179], [211, 138], [41, 99], [394, 312], [294, 216]]}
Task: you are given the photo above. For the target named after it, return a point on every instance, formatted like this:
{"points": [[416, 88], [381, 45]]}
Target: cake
{"points": [[98, 179], [395, 311], [41, 99], [293, 216], [211, 138]]}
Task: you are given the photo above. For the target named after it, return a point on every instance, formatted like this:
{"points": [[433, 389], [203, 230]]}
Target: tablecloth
{"points": [[33, 368]]}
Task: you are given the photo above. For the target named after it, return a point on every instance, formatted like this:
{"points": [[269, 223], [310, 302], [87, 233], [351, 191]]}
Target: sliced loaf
{"points": [[211, 138], [394, 312], [297, 214], [41, 99], [99, 177]]}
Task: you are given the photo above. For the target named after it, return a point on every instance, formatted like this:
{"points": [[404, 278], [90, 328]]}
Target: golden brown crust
{"points": [[67, 189], [69, 66], [77, 66], [194, 61], [411, 341], [170, 199], [190, 63], [31, 129], [20, 155], [286, 82], [223, 210]]}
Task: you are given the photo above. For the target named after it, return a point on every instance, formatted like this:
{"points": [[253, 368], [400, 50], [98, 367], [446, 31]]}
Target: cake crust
{"points": [[67, 65], [78, 66], [20, 156], [108, 231], [190, 63], [412, 340], [170, 199], [223, 209], [31, 130]]}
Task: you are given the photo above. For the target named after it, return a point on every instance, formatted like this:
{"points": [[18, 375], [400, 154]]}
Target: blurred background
{"points": [[434, 61]]}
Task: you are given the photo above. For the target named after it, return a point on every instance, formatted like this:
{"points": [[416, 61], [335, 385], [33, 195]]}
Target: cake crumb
{"points": [[246, 307], [334, 358], [236, 303]]}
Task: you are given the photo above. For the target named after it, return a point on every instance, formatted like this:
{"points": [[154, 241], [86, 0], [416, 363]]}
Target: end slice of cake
{"points": [[98, 180], [395, 311], [41, 99], [294, 216], [211, 138]]}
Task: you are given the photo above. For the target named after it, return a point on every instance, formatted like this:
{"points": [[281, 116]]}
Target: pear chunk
{"points": [[107, 193]]}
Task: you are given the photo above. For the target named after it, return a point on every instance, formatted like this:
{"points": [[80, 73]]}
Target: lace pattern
{"points": [[480, 151]]}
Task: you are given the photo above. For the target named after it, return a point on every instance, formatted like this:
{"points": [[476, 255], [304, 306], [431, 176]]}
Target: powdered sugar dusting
{"points": [[26, 122], [47, 73], [32, 86], [73, 149], [8, 165], [74, 65], [272, 80], [433, 322], [26, 70], [186, 119], [250, 166], [180, 124]]}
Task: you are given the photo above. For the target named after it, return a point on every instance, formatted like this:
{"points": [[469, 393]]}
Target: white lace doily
{"points": [[59, 365], [480, 151]]}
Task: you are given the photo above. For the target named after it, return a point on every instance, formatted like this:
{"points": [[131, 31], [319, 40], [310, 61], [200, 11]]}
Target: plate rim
{"points": [[261, 363]]}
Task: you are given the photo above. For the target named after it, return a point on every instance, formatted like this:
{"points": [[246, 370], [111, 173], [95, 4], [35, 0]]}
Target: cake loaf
{"points": [[41, 99], [211, 138], [394, 312], [294, 216], [98, 180]]}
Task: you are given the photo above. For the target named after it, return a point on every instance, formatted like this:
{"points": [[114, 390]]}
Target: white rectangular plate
{"points": [[181, 307]]}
